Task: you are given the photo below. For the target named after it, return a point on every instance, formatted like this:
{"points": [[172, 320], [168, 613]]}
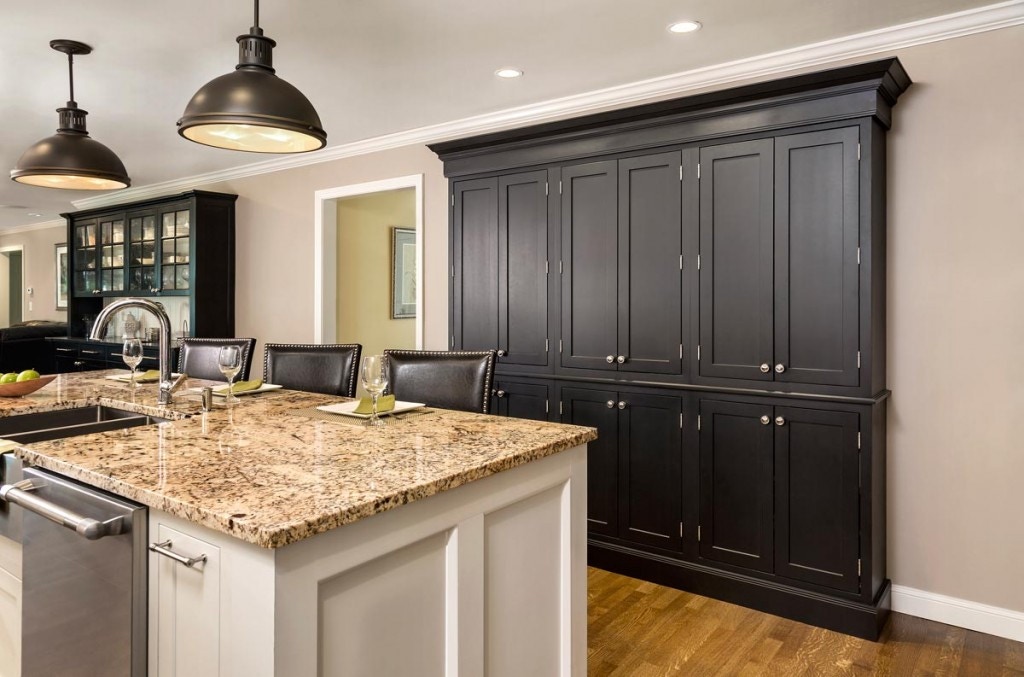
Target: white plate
{"points": [[126, 378], [262, 389], [348, 408]]}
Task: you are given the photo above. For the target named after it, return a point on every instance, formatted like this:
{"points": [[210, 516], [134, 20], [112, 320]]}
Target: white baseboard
{"points": [[991, 620]]}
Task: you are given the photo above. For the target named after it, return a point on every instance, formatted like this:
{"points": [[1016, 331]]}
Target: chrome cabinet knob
{"points": [[779, 368], [765, 368], [621, 359], [500, 393], [610, 359], [501, 353], [765, 420], [780, 421], [610, 404], [622, 404]]}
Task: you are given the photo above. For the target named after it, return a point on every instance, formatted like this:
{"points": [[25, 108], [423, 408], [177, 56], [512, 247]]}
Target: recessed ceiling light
{"points": [[684, 27], [508, 73]]}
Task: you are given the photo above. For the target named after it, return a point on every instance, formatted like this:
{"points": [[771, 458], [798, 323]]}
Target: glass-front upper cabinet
{"points": [[175, 246], [111, 250], [86, 266], [142, 251]]}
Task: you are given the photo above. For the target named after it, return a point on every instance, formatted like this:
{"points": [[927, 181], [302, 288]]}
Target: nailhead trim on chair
{"points": [[355, 358], [472, 353], [249, 341]]}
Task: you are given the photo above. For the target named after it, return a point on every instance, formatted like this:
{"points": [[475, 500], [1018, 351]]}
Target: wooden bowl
{"points": [[19, 388]]}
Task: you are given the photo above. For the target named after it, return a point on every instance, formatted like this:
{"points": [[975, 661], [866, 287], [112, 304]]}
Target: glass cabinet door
{"points": [[141, 252], [86, 266], [111, 251], [175, 240]]}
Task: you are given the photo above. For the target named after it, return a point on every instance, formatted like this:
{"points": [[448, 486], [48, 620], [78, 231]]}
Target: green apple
{"points": [[9, 378], [28, 375]]}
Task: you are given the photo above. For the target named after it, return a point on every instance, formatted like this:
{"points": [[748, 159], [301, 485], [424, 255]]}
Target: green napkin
{"points": [[240, 387], [384, 403], [151, 376]]}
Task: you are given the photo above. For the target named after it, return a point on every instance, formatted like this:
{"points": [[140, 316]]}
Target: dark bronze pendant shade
{"points": [[70, 159], [251, 108]]}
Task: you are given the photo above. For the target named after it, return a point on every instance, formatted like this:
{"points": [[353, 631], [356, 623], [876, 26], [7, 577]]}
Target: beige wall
{"points": [[364, 270], [38, 269], [956, 304]]}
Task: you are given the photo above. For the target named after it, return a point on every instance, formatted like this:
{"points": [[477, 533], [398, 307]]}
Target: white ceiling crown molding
{"points": [[958, 24], [34, 226]]}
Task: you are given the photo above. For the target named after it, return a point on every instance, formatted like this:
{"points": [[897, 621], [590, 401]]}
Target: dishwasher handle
{"points": [[87, 527]]}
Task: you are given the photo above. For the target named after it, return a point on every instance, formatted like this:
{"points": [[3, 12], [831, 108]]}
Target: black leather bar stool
{"points": [[445, 379], [313, 367], [198, 357]]}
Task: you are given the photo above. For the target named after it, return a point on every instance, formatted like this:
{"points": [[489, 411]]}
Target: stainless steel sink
{"points": [[53, 425]]}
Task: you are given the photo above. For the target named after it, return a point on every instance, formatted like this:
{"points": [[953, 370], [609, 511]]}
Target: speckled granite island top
{"points": [[262, 473]]}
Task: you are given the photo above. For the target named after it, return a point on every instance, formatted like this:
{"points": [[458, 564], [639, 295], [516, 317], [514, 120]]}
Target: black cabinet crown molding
{"points": [[152, 202], [857, 91]]}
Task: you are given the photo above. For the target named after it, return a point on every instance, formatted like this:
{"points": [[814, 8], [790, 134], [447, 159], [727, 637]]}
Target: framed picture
{"points": [[61, 281], [403, 273]]}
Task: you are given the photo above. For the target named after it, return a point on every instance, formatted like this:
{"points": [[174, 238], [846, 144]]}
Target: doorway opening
{"points": [[12, 282], [369, 277]]}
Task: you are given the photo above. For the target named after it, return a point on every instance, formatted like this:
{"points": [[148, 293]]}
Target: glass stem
{"points": [[373, 397]]}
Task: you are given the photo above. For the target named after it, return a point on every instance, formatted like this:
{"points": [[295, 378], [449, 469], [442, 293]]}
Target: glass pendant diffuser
{"points": [[70, 159], [252, 109]]}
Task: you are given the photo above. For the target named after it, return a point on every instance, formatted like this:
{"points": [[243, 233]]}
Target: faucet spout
{"points": [[167, 386]]}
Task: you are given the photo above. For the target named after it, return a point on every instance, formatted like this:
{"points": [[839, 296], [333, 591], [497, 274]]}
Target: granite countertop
{"points": [[264, 474]]}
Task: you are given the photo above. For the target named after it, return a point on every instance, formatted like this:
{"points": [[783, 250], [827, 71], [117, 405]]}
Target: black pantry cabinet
{"points": [[703, 281]]}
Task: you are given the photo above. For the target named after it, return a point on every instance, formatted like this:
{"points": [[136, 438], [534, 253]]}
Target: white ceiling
{"points": [[371, 67]]}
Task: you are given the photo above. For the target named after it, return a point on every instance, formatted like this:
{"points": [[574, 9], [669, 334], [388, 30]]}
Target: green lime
{"points": [[9, 378], [27, 375]]}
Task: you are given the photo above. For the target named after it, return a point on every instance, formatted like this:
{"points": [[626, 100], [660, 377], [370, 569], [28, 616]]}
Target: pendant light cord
{"points": [[71, 78], [256, 14]]}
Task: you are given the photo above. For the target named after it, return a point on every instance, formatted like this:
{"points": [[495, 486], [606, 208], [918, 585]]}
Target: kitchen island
{"points": [[446, 543]]}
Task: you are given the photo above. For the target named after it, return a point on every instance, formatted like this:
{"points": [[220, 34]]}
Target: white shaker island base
{"points": [[485, 579]]}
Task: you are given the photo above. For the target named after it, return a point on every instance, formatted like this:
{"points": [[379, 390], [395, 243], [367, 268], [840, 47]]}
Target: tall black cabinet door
{"points": [[589, 283], [650, 465], [816, 271], [521, 400], [650, 274], [736, 260], [475, 252], [522, 268], [597, 409], [817, 496], [736, 483]]}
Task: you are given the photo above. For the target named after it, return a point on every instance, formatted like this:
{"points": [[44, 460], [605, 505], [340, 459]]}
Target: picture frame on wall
{"points": [[403, 273], [61, 278]]}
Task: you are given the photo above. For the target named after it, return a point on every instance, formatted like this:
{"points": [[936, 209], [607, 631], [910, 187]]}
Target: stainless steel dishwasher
{"points": [[84, 579]]}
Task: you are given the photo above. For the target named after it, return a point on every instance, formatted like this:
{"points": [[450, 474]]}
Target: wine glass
{"points": [[131, 353], [229, 360], [374, 375]]}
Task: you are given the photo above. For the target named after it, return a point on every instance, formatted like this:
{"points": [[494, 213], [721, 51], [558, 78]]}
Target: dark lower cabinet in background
{"points": [[520, 399], [635, 466], [73, 355]]}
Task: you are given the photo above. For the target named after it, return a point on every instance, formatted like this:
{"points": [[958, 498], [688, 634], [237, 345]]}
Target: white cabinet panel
{"points": [[10, 625], [188, 612]]}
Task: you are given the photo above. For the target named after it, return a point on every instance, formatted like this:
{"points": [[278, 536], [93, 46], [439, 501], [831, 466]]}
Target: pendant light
{"points": [[70, 159], [251, 108]]}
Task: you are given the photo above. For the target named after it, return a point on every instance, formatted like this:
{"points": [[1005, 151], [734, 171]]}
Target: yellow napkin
{"points": [[384, 403], [151, 376], [240, 387]]}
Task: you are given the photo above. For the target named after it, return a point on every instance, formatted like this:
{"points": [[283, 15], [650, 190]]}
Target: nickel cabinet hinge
{"points": [[698, 533], [680, 351], [452, 342], [680, 262], [547, 410], [559, 407], [453, 271], [698, 352], [547, 269], [545, 188], [858, 359], [858, 440], [698, 421], [698, 261], [680, 530], [698, 171], [858, 256], [858, 567], [559, 345], [547, 345], [680, 172], [453, 200], [680, 421], [858, 152], [559, 186], [559, 266]]}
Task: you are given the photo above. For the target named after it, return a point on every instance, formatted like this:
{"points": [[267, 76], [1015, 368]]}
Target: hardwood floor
{"points": [[638, 629]]}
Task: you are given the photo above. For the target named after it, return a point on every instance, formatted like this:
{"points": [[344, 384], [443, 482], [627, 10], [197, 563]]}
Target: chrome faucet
{"points": [[167, 386]]}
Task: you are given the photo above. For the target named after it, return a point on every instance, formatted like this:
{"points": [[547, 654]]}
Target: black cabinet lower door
{"points": [[736, 497], [597, 409], [817, 496], [650, 465], [521, 400]]}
